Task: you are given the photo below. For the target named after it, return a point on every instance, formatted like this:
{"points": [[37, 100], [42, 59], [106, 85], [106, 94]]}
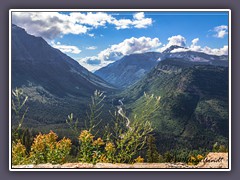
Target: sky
{"points": [[96, 39]]}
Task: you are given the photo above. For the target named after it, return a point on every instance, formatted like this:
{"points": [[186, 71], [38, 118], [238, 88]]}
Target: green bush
{"points": [[46, 149], [19, 155], [90, 150], [219, 148]]}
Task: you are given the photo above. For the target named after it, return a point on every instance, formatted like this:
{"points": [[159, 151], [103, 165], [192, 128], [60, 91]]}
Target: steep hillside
{"points": [[35, 62], [55, 83], [194, 103]]}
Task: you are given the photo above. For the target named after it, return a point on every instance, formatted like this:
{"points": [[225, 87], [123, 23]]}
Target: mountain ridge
{"points": [[138, 64], [56, 85], [193, 106], [122, 73], [34, 60]]}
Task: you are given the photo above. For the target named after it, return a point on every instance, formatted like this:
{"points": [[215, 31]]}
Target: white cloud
{"points": [[93, 60], [129, 46], [141, 45], [139, 16], [195, 41], [91, 35], [138, 21], [194, 46], [122, 23], [93, 63], [91, 48], [50, 25], [206, 49], [215, 51], [220, 31], [174, 40], [180, 50], [117, 51], [93, 19], [65, 48], [177, 40]]}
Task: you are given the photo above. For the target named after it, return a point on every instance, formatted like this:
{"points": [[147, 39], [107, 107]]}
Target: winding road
{"points": [[120, 111]]}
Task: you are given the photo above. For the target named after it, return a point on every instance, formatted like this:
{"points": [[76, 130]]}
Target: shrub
{"points": [[219, 148], [90, 150], [110, 152], [123, 142], [121, 149], [130, 143], [139, 159], [46, 149], [168, 157], [193, 160], [19, 155]]}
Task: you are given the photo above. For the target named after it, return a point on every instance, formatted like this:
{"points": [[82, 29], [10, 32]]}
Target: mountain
{"points": [[132, 68], [171, 48], [194, 56], [129, 69], [193, 109], [55, 83], [35, 62], [193, 87]]}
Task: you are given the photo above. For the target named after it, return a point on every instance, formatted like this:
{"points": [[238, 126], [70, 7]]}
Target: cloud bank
{"points": [[129, 46], [206, 49], [117, 51], [145, 44], [50, 25]]}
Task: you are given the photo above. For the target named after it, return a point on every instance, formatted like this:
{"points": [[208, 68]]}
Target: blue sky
{"points": [[96, 39]]}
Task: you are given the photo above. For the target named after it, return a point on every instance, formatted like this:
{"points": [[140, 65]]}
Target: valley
{"points": [[193, 113]]}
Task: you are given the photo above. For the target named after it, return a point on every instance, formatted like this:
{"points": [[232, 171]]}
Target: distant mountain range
{"points": [[132, 68], [129, 69]]}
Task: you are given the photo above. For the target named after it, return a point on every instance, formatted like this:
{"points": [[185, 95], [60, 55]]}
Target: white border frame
{"points": [[121, 10]]}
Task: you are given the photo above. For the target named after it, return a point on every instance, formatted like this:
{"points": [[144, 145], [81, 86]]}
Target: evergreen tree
{"points": [[152, 153]]}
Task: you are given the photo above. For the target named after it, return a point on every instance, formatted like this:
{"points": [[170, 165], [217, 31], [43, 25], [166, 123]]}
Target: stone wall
{"points": [[213, 160]]}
